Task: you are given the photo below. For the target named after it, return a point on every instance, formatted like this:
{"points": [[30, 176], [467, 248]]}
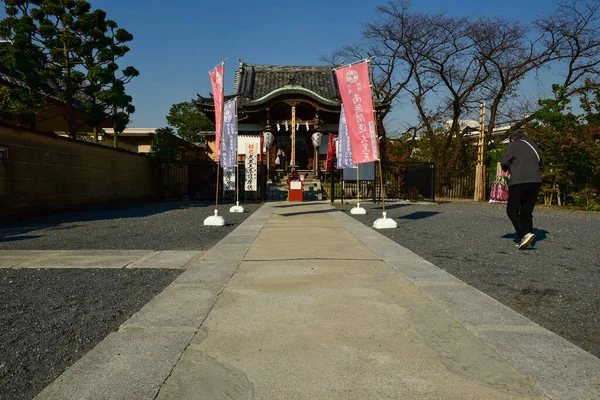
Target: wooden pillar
{"points": [[268, 163], [480, 170], [316, 161]]}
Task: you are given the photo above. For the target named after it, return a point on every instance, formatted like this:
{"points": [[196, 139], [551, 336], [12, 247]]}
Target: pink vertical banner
{"points": [[331, 150], [355, 91], [216, 79]]}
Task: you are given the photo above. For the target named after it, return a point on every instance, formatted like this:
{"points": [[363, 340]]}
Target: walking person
{"points": [[524, 161]]}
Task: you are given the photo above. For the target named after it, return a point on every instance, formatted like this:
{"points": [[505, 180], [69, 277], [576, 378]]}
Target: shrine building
{"points": [[291, 102]]}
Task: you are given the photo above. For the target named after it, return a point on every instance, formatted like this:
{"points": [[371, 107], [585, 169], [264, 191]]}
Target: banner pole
{"points": [[382, 187], [217, 88], [376, 137], [358, 209], [237, 208], [217, 66], [217, 185], [385, 222], [358, 183], [351, 64], [237, 167]]}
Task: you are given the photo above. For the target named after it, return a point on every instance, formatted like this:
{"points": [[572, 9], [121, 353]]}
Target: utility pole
{"points": [[480, 170]]}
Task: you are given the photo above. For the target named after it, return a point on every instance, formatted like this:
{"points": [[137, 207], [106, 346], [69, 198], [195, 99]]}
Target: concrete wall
{"points": [[44, 172]]}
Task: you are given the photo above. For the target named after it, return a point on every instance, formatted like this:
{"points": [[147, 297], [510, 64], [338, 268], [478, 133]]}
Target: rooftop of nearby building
{"points": [[133, 131], [257, 80]]}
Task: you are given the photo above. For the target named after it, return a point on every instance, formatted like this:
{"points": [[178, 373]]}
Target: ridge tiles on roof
{"points": [[259, 80]]}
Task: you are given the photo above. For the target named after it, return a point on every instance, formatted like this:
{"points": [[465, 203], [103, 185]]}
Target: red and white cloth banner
{"points": [[252, 153], [355, 90], [216, 79], [331, 151]]}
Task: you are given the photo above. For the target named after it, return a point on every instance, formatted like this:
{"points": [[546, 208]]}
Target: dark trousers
{"points": [[521, 201]]}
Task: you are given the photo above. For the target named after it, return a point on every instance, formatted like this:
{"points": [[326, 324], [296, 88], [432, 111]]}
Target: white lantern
{"points": [[316, 139], [269, 138]]}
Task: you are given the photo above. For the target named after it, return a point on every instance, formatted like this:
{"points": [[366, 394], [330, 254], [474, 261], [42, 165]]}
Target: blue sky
{"points": [[176, 42]]}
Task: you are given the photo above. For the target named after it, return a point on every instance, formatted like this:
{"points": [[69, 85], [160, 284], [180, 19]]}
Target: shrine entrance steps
{"points": [[278, 186]]}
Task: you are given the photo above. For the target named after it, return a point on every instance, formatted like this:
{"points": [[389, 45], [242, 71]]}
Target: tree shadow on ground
{"points": [[394, 206], [419, 215], [289, 205], [18, 238], [308, 212], [54, 220]]}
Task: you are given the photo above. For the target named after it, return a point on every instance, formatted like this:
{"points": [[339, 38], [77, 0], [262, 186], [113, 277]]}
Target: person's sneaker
{"points": [[528, 238]]}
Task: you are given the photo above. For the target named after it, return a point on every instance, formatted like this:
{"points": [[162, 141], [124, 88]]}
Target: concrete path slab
{"points": [[86, 259], [177, 306], [169, 259], [11, 261], [97, 259], [471, 307], [125, 365], [563, 370], [303, 302], [320, 324], [22, 258], [206, 272], [305, 236]]}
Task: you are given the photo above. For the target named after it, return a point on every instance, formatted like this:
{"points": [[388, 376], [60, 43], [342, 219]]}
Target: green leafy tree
{"points": [[51, 26], [104, 92], [189, 122], [445, 66], [121, 102], [63, 48], [165, 147], [590, 103], [569, 145], [20, 105], [399, 149], [24, 60]]}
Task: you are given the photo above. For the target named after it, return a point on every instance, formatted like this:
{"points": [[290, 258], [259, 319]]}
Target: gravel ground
{"points": [[153, 226], [554, 283], [49, 318]]}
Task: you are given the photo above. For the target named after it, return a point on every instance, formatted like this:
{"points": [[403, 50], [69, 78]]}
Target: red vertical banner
{"points": [[331, 151], [216, 79], [355, 91]]}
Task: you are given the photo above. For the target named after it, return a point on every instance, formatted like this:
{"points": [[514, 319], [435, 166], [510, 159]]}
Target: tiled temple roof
{"points": [[256, 81], [256, 86]]}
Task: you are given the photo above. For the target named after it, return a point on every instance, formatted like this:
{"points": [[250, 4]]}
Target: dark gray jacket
{"points": [[522, 162]]}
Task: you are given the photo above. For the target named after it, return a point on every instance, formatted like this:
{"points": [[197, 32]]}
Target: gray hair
{"points": [[518, 134]]}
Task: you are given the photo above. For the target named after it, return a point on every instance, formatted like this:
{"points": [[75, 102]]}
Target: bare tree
{"points": [[447, 66], [428, 58], [568, 41], [504, 50]]}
